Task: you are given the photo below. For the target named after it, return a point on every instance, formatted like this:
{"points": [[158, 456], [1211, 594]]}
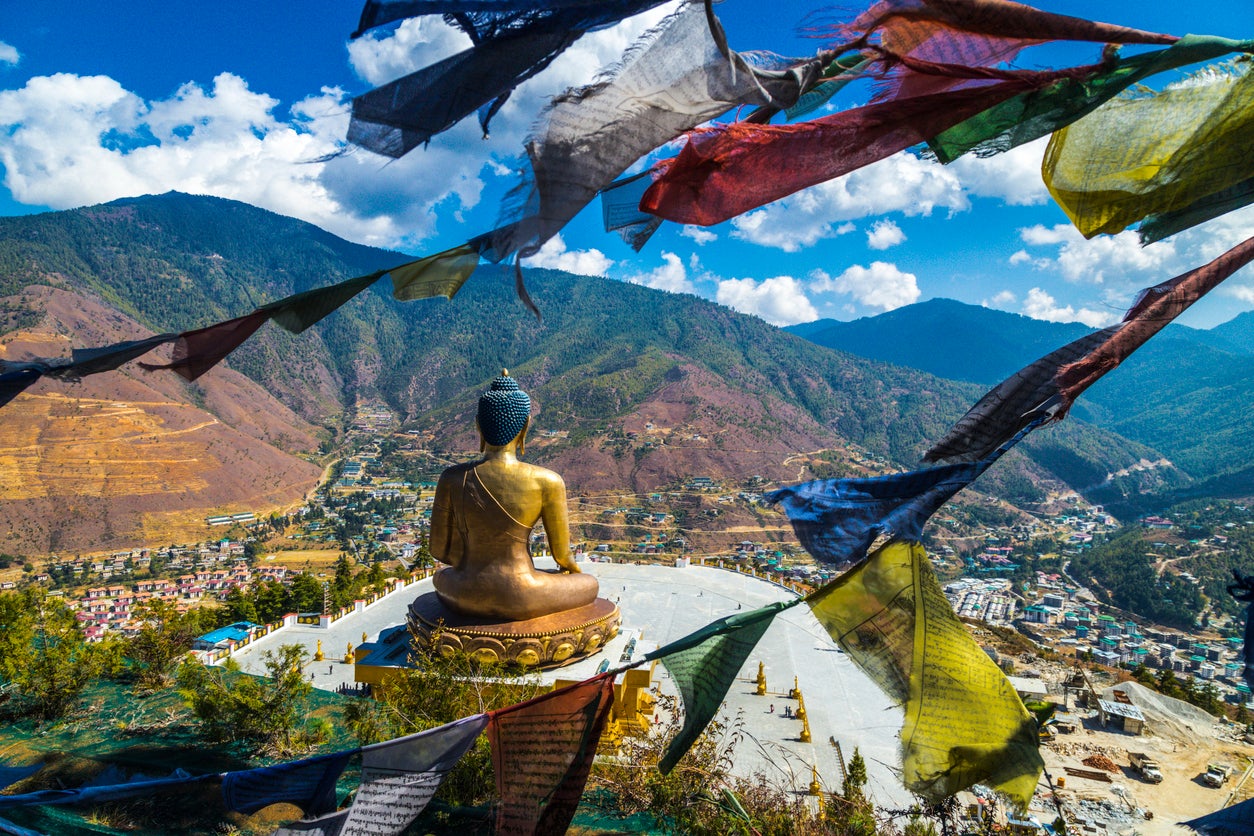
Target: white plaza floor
{"points": [[661, 604]]}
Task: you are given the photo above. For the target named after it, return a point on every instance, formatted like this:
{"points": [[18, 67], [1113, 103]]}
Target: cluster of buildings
{"points": [[103, 609], [984, 599], [1071, 621]]}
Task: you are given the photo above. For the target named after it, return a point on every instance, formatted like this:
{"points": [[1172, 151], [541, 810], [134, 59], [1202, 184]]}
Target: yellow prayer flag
{"points": [[1144, 155], [964, 722], [442, 274]]}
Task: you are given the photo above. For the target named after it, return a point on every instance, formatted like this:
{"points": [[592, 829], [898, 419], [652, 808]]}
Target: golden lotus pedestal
{"points": [[549, 641]]}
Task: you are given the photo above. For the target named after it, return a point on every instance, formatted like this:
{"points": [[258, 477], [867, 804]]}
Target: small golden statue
{"points": [[491, 599], [482, 518]]}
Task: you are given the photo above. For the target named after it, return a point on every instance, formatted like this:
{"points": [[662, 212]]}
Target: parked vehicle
{"points": [[1217, 774], [1146, 766]]}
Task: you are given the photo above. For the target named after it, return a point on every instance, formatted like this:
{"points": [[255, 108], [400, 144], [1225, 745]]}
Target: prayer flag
{"points": [[12, 829], [725, 170], [981, 33], [542, 750], [442, 274], [1026, 395], [308, 783], [99, 795], [1150, 154], [704, 665], [837, 520], [964, 723], [299, 311], [906, 25], [1237, 820], [1152, 312], [1036, 113], [399, 777], [198, 351], [1051, 384], [85, 361], [513, 41], [16, 377], [1158, 227], [10, 775], [675, 77]]}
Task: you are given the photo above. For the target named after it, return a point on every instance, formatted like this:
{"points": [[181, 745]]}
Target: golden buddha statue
{"points": [[482, 518], [490, 599]]}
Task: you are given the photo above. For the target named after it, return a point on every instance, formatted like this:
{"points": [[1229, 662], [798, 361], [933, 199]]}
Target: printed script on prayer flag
{"points": [[399, 777], [705, 664], [964, 723], [542, 751]]}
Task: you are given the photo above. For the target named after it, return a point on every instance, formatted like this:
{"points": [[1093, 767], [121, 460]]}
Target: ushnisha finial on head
{"points": [[503, 411]]}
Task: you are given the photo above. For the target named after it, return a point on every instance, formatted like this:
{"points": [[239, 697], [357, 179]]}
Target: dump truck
{"points": [[1146, 766], [1217, 774]]}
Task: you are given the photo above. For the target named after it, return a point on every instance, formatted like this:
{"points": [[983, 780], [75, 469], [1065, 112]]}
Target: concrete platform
{"points": [[661, 604]]}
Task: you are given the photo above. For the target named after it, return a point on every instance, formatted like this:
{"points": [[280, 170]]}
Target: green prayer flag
{"points": [[1157, 227], [705, 663], [1032, 115], [839, 74], [442, 274], [298, 312], [964, 722]]}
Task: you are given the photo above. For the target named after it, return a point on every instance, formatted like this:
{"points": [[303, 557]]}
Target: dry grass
{"points": [[317, 560]]}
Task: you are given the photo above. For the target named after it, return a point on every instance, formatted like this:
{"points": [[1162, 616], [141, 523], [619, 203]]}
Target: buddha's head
{"points": [[504, 412]]}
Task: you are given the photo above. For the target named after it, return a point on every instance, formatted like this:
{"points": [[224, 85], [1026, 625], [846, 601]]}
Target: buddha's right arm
{"points": [[441, 537]]}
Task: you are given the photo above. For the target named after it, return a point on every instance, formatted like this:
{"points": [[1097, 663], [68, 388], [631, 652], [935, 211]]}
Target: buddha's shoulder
{"points": [[457, 470], [543, 474]]}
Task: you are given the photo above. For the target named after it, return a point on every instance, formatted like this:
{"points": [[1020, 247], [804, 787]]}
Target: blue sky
{"points": [[106, 100]]}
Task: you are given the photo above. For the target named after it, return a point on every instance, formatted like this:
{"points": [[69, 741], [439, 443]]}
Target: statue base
{"points": [[549, 641]]}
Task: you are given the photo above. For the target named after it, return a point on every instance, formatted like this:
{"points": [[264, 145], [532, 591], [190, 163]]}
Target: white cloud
{"points": [[670, 276], [1000, 300], [1240, 291], [1118, 258], [1019, 257], [1013, 177], [780, 300], [882, 285], [902, 183], [1040, 305], [381, 56], [555, 256], [74, 140], [700, 235], [884, 234], [9, 54]]}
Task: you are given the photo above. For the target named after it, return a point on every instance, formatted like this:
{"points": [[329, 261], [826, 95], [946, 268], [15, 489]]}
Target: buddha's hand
{"points": [[571, 567]]}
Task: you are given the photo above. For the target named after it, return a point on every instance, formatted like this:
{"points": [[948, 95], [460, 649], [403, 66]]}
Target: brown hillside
{"points": [[697, 425], [129, 458], [701, 426]]}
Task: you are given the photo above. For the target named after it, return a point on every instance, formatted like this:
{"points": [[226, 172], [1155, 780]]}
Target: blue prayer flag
{"points": [[837, 520]]}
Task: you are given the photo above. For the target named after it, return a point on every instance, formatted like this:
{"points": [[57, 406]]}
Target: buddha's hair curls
{"points": [[503, 411]]}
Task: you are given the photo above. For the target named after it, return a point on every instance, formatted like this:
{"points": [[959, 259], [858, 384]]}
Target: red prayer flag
{"points": [[726, 170], [978, 31], [1153, 311], [196, 352], [542, 751]]}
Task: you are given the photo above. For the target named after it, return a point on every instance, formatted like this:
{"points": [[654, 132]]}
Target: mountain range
{"points": [[634, 389], [1187, 393]]}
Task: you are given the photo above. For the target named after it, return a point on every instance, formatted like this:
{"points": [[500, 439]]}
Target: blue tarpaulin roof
{"points": [[236, 632]]}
